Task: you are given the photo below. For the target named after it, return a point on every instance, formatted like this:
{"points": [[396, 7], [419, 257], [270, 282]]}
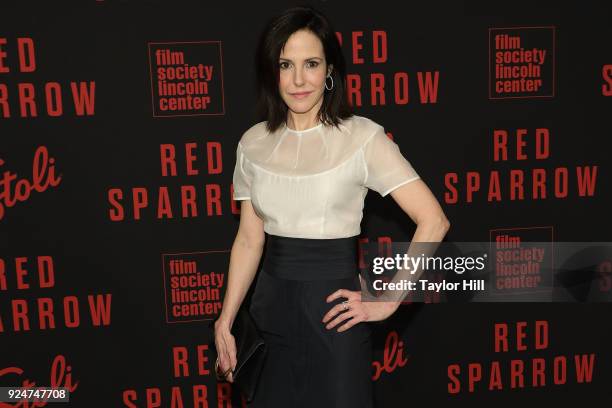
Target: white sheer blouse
{"points": [[312, 183]]}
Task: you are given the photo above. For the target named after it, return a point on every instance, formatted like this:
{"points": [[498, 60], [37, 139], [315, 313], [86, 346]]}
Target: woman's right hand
{"points": [[226, 349]]}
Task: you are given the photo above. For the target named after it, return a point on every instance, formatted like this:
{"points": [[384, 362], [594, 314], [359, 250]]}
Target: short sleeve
{"points": [[241, 179], [385, 167]]}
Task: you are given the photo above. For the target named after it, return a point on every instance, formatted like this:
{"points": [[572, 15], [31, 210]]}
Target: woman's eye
{"points": [[311, 64]]}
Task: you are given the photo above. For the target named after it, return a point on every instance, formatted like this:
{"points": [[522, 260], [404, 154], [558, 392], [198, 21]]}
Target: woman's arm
{"points": [[244, 260], [419, 203]]}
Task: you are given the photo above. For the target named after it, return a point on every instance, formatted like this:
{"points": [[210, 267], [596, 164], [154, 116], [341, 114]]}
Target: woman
{"points": [[302, 176]]}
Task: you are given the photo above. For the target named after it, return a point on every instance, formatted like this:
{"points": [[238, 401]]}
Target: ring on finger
{"points": [[217, 373], [221, 375]]}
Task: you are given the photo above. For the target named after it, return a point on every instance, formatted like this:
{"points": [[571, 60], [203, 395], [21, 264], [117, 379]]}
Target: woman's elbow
{"points": [[444, 223], [438, 223], [250, 239]]}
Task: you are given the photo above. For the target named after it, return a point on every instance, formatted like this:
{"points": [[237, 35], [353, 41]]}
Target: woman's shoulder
{"points": [[361, 130], [254, 133], [361, 125]]}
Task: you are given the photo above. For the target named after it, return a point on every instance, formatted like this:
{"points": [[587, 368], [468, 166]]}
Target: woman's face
{"points": [[303, 70]]}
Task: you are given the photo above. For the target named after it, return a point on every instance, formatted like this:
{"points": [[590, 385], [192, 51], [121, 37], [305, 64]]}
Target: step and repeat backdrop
{"points": [[119, 123]]}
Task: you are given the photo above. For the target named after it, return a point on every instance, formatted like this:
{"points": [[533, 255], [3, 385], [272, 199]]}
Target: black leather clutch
{"points": [[250, 354]]}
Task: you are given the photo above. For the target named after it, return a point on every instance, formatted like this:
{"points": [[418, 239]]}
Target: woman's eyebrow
{"points": [[287, 59]]}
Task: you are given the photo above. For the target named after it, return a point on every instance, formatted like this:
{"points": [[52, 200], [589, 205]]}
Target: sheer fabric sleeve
{"points": [[241, 178], [385, 167]]}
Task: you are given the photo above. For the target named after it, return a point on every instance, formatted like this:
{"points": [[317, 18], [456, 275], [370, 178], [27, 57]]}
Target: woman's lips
{"points": [[301, 95]]}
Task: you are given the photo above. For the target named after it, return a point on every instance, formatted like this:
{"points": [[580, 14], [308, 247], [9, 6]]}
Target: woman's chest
{"points": [[305, 194]]}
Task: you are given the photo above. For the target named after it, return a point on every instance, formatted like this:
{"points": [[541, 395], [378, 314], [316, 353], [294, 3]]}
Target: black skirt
{"points": [[308, 365]]}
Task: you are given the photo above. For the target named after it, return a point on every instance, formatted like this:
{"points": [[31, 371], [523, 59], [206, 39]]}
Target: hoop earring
{"points": [[332, 85]]}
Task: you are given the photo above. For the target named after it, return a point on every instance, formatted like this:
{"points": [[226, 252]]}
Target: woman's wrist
{"points": [[393, 306], [223, 323]]}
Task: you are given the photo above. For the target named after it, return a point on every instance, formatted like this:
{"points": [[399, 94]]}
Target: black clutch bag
{"points": [[250, 354]]}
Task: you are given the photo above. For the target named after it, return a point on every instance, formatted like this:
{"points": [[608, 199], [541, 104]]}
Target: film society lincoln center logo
{"points": [[186, 78], [194, 285], [521, 62]]}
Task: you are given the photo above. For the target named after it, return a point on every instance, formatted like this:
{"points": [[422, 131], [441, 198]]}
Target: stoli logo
{"points": [[393, 356], [60, 377], [43, 175]]}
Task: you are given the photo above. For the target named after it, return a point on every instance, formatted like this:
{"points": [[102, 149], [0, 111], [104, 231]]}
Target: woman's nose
{"points": [[298, 77]]}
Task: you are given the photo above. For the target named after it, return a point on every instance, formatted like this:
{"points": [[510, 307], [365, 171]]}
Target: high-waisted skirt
{"points": [[308, 365]]}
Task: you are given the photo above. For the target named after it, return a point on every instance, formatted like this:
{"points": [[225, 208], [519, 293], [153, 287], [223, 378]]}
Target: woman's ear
{"points": [[330, 68]]}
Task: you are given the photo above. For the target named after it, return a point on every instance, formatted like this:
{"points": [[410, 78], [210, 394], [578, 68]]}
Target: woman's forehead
{"points": [[302, 45]]}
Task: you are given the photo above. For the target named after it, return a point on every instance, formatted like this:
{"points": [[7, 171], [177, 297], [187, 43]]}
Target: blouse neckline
{"points": [[305, 130]]}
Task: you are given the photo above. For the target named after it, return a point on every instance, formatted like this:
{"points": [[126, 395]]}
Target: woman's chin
{"points": [[301, 107]]}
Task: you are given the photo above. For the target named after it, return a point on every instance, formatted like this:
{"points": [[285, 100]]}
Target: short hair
{"points": [[270, 105]]}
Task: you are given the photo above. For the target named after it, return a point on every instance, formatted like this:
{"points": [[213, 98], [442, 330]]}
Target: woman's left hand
{"points": [[356, 311]]}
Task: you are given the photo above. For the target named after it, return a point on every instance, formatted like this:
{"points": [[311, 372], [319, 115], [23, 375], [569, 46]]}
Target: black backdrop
{"points": [[109, 155]]}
